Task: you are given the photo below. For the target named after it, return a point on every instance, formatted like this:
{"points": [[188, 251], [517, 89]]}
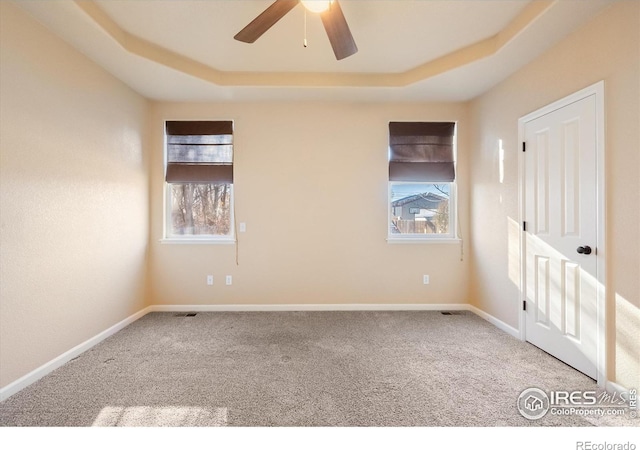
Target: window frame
{"points": [[451, 237], [168, 238], [431, 238], [196, 238]]}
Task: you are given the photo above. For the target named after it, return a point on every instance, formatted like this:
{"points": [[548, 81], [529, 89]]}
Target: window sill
{"points": [[190, 241], [414, 240]]}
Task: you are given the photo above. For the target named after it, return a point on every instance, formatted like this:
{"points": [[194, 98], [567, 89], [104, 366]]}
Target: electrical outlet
{"points": [[228, 280], [425, 279], [209, 280], [243, 227]]}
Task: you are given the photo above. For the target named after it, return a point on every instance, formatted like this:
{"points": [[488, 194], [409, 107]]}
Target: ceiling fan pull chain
{"points": [[304, 42]]}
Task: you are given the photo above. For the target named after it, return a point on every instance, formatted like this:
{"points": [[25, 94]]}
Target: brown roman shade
{"points": [[421, 151], [199, 151]]}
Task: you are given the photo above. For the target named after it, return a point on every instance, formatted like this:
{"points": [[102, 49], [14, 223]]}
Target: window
{"points": [[422, 180], [199, 180]]}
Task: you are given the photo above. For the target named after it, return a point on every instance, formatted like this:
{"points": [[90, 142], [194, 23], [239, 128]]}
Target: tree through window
{"points": [[199, 177]]}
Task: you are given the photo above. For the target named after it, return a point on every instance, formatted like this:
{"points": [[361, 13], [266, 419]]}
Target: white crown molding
{"points": [[458, 58]]}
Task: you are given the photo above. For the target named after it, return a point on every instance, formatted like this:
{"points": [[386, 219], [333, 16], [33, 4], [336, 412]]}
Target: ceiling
{"points": [[409, 50]]}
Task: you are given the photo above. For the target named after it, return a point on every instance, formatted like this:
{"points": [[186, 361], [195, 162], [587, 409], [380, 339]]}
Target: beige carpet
{"points": [[300, 369]]}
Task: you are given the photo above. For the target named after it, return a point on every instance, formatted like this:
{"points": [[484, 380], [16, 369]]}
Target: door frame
{"points": [[596, 90]]}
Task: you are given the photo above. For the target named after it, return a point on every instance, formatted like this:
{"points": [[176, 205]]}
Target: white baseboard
{"points": [[344, 307], [50, 366], [494, 321], [312, 307], [67, 356], [612, 387]]}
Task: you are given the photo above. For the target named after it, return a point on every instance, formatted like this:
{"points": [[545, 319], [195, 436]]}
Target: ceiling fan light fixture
{"points": [[331, 14], [317, 6]]}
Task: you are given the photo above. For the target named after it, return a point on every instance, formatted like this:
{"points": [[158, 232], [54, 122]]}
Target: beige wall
{"points": [[73, 197], [608, 49], [311, 185]]}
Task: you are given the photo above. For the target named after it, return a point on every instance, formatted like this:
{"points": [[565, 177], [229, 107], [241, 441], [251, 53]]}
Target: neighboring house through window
{"points": [[199, 180], [422, 180]]}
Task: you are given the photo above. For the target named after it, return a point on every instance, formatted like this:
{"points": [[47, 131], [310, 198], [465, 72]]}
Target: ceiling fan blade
{"points": [[338, 31], [266, 20]]}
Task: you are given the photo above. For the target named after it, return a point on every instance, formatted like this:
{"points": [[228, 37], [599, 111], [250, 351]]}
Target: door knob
{"points": [[586, 250]]}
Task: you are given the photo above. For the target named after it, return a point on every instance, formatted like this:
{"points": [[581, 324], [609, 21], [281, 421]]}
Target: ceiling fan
{"points": [[330, 12]]}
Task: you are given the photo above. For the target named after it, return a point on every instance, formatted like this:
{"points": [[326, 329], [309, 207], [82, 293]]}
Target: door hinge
{"points": [[524, 226], [524, 146], [524, 305]]}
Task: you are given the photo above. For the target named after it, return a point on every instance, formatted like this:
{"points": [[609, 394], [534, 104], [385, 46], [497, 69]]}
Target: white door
{"points": [[560, 211]]}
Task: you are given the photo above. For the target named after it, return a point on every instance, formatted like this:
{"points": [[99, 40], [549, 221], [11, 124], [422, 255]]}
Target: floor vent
{"points": [[450, 313], [192, 314]]}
